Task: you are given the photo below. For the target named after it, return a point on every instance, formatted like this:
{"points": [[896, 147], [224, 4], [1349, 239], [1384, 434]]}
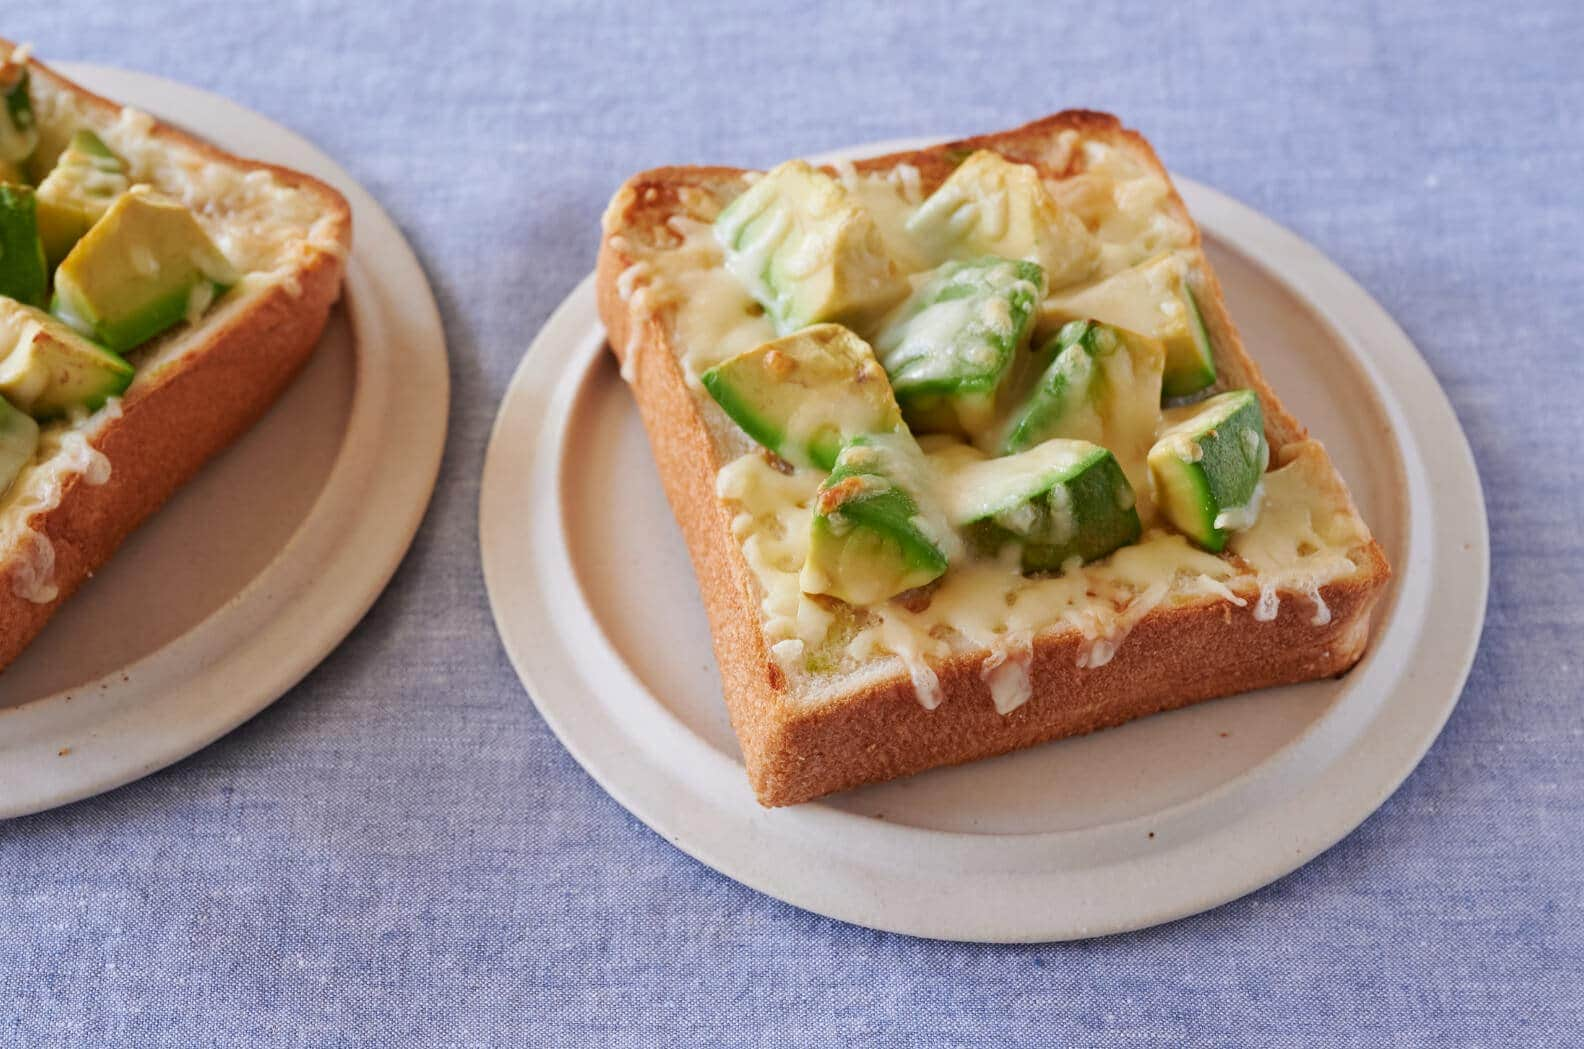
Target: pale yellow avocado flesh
{"points": [[808, 252], [992, 206], [1151, 299], [47, 369], [77, 192], [805, 395], [137, 271]]}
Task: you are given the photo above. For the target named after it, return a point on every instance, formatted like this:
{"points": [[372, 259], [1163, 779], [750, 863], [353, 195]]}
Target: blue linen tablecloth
{"points": [[399, 852]]}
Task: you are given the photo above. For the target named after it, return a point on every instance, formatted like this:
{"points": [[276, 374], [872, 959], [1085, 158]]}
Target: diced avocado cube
{"points": [[1101, 385], [47, 369], [1062, 402], [77, 192], [24, 275], [992, 206], [18, 133], [1190, 362], [807, 251], [872, 536], [805, 395], [1207, 466], [142, 268], [1151, 299], [951, 347], [19, 436], [1057, 501]]}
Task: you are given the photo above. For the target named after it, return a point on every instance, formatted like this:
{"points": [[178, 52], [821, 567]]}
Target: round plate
{"points": [[269, 557], [596, 603]]}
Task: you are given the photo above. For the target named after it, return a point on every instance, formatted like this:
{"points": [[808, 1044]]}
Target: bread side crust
{"points": [[195, 406], [1175, 655]]}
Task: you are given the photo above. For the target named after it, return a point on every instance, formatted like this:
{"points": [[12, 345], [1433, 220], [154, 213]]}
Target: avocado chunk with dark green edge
{"points": [[805, 395], [49, 370], [143, 268], [1151, 299], [1066, 387], [77, 192], [951, 347], [18, 132], [19, 437], [873, 535], [807, 251], [994, 206], [1059, 500], [24, 275], [1190, 362], [1207, 466]]}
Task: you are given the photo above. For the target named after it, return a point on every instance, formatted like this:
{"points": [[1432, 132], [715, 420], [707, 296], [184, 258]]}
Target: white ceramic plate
{"points": [[260, 566], [1164, 817]]}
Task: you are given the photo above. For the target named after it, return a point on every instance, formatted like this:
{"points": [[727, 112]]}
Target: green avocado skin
{"points": [[889, 513], [1102, 522], [24, 275], [717, 383], [48, 370], [1056, 391], [84, 387], [1226, 460], [126, 333], [915, 371], [949, 377], [1226, 474], [871, 547], [1189, 372], [121, 306]]}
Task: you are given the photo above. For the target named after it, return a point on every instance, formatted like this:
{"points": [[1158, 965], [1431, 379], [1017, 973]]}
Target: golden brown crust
{"points": [[195, 406], [688, 461], [1174, 656]]}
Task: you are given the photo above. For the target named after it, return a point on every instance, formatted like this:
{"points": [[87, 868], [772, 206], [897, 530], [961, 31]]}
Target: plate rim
{"points": [[1260, 238], [182, 682]]}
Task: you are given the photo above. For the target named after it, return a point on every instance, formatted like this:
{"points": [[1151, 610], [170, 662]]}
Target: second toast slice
{"points": [[826, 695]]}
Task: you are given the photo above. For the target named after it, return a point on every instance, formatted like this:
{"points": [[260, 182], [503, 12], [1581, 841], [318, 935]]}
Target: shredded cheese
{"points": [[1293, 537]]}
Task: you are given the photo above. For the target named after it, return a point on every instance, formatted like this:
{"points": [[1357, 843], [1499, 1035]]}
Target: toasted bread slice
{"points": [[197, 387], [1180, 630]]}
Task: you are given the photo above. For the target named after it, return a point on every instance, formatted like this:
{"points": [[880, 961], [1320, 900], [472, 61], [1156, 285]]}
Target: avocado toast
{"points": [[1093, 508], [156, 296]]}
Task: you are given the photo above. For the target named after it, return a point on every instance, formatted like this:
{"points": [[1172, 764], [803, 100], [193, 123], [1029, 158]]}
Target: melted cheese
{"points": [[259, 222], [1007, 673], [890, 200], [1297, 542], [1123, 201], [713, 315], [1300, 539], [66, 453]]}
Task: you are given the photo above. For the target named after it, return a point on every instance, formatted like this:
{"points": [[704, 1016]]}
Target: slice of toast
{"points": [[197, 387], [1199, 632]]}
